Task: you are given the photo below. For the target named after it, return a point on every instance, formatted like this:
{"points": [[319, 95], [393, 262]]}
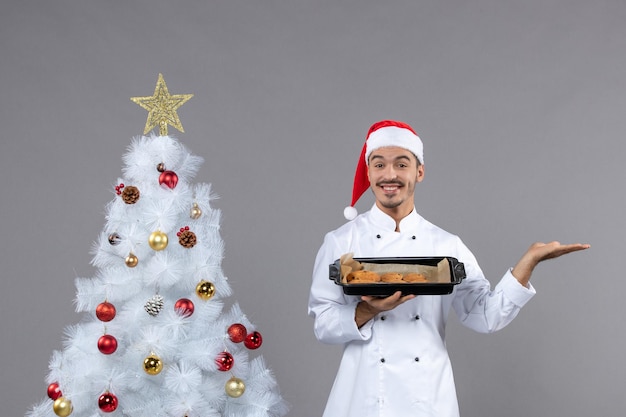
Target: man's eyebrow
{"points": [[374, 156]]}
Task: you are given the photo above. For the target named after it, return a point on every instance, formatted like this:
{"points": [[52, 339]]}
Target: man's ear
{"points": [[420, 173]]}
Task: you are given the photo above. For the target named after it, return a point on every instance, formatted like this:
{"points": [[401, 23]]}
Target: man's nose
{"points": [[389, 173]]}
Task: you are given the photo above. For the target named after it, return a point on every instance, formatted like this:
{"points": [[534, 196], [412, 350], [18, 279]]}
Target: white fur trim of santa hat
{"points": [[394, 136]]}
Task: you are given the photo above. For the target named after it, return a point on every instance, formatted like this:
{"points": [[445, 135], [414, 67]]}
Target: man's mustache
{"points": [[384, 183]]}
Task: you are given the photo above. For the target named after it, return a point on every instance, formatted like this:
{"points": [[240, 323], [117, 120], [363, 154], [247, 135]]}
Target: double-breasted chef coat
{"points": [[397, 365]]}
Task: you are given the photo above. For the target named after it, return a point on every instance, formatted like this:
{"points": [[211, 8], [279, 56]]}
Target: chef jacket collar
{"points": [[387, 223]]}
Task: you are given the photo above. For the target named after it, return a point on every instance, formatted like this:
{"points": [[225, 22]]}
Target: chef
{"points": [[395, 361]]}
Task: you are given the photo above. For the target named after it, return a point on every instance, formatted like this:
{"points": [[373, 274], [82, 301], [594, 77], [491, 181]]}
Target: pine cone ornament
{"points": [[186, 237], [154, 305], [130, 195]]}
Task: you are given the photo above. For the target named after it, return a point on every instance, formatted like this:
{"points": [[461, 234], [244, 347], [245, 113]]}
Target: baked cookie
{"points": [[362, 276], [414, 277], [391, 277]]}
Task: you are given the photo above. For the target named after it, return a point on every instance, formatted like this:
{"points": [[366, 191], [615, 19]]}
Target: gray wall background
{"points": [[521, 106]]}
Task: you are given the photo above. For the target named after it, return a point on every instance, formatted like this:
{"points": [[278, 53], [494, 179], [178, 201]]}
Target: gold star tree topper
{"points": [[162, 108]]}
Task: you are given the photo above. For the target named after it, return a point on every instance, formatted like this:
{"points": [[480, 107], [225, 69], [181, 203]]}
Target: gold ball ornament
{"points": [[235, 387], [152, 365], [205, 290], [131, 260], [62, 407], [195, 212], [157, 240]]}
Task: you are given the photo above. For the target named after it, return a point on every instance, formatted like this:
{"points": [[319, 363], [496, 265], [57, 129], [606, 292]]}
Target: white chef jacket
{"points": [[397, 364]]}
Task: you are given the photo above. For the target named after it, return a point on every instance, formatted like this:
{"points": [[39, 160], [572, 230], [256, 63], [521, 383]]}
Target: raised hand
{"points": [[538, 252]]}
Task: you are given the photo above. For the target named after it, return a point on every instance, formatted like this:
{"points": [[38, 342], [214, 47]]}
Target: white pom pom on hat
{"points": [[381, 134], [350, 213]]}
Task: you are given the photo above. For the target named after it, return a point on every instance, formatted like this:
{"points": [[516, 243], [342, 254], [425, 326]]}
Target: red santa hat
{"points": [[381, 134]]}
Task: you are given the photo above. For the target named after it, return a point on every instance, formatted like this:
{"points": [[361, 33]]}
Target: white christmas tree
{"points": [[156, 338]]}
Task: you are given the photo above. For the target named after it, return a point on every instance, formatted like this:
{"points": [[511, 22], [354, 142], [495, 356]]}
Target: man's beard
{"points": [[391, 204], [395, 201]]}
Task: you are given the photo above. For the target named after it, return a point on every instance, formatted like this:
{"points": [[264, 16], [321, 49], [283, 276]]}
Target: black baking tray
{"points": [[383, 289]]}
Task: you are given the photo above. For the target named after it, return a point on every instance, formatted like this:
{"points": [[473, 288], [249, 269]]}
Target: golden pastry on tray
{"points": [[414, 277], [391, 277], [356, 277]]}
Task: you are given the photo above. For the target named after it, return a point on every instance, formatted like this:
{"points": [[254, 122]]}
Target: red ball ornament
{"points": [[184, 306], [105, 311], [107, 402], [54, 391], [168, 179], [224, 361], [237, 332], [107, 344], [253, 340]]}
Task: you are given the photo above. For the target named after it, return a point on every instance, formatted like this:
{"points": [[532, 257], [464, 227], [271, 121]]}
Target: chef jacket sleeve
{"points": [[333, 311], [478, 306]]}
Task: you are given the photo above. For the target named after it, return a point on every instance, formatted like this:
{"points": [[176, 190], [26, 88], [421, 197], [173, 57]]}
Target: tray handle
{"points": [[459, 270], [334, 273]]}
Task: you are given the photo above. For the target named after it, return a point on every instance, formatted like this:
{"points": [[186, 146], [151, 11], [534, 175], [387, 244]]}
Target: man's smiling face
{"points": [[393, 173]]}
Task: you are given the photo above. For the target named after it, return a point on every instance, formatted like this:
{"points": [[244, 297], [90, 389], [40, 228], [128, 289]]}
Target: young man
{"points": [[395, 361]]}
